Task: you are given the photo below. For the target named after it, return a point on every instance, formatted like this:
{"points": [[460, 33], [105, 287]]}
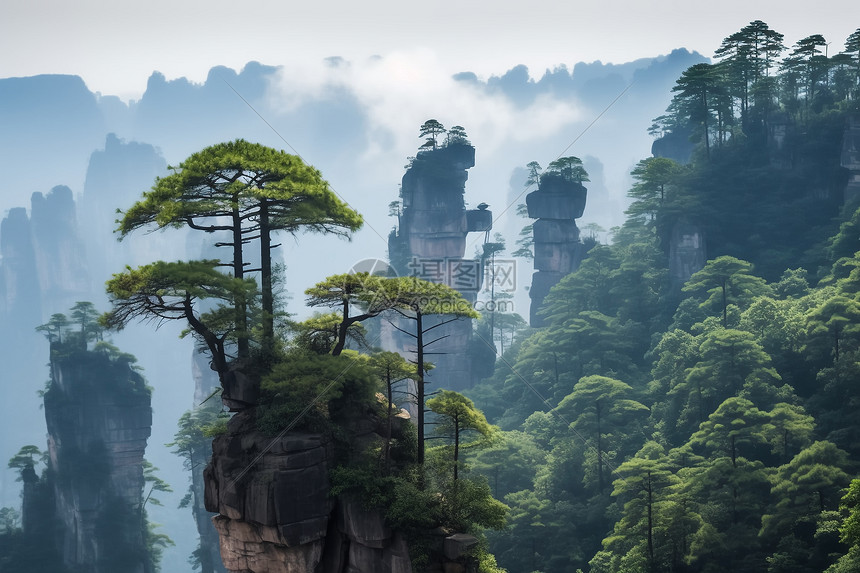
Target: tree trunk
{"points": [[342, 330], [705, 124], [239, 272], [599, 453], [420, 383], [216, 348], [650, 525], [836, 346], [268, 298], [387, 448], [734, 454], [456, 445]]}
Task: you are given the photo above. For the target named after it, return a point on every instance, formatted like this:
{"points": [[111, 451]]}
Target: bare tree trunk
{"points": [[268, 298], [239, 272], [420, 382]]}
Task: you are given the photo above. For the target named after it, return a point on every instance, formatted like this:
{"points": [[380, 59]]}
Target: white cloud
{"points": [[400, 91]]}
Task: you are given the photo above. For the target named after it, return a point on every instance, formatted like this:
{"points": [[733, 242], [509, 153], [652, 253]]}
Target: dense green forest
{"points": [[711, 425]]}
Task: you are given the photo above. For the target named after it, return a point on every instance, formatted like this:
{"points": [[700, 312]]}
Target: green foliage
{"points": [[487, 562], [418, 498], [533, 178], [794, 283], [653, 524], [342, 292], [835, 324], [726, 280], [153, 483], [806, 486], [510, 463], [207, 184], [850, 530], [55, 328], [162, 291], [75, 332], [175, 291], [525, 243], [570, 168], [85, 316], [698, 92], [196, 427], [602, 409], [789, 429], [414, 295], [320, 333], [654, 179], [847, 563], [456, 417], [247, 192], [468, 506], [10, 520], [155, 544], [734, 428], [26, 460], [313, 391], [432, 129], [457, 136]]}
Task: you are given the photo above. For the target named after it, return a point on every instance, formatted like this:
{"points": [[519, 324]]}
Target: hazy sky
{"points": [[115, 45]]}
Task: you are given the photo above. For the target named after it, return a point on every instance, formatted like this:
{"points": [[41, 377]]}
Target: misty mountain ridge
{"points": [[61, 117]]}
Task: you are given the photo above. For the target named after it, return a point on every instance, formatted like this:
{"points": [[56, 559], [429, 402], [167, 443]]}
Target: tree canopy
{"points": [[248, 192]]}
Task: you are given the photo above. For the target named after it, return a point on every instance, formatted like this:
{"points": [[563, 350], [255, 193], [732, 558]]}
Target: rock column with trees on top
{"points": [[430, 241], [556, 204]]}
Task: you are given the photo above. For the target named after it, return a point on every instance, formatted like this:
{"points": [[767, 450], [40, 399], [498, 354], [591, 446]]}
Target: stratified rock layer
{"points": [[686, 252], [99, 419], [275, 512], [431, 243], [555, 204]]}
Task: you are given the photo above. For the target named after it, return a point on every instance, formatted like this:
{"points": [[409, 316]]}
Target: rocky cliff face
{"points": [[43, 265], [60, 260], [50, 125], [98, 415], [556, 205], [675, 145], [686, 253], [116, 177], [42, 271], [431, 243], [19, 280], [275, 512], [205, 384]]}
